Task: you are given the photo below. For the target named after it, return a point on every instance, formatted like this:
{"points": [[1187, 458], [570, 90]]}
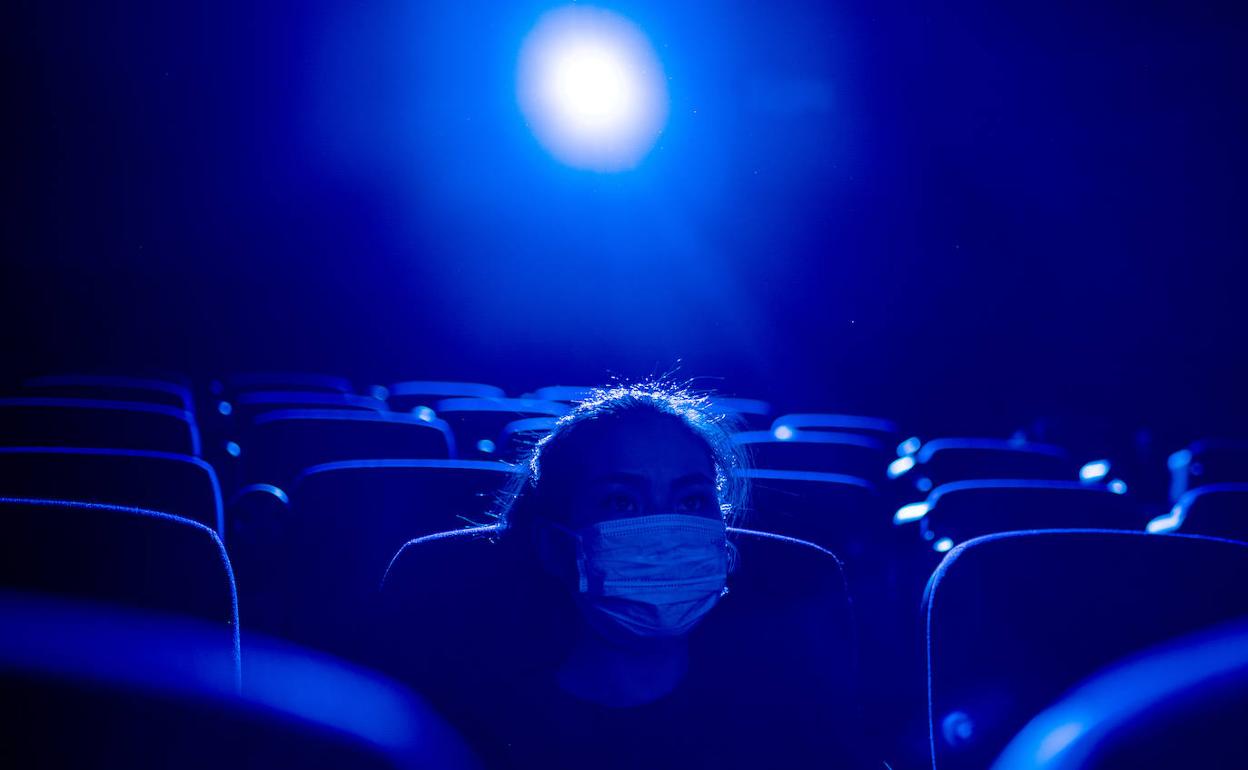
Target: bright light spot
{"points": [[1058, 739], [379, 392], [911, 512], [957, 728], [1167, 522], [909, 446], [900, 466], [1118, 487], [485, 446], [424, 413], [1094, 471], [1179, 459], [233, 449], [782, 433], [592, 88], [924, 484], [225, 407], [942, 545]]}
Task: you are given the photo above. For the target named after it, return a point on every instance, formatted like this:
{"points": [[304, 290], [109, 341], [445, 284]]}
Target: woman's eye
{"points": [[620, 503], [693, 503]]}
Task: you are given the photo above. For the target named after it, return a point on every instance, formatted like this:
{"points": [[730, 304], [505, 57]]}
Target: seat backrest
{"points": [[88, 687], [278, 445], [247, 405], [478, 422], [841, 513], [943, 460], [1014, 620], [885, 430], [125, 556], [518, 437], [355, 516], [963, 510], [1217, 510], [824, 451], [171, 483], [251, 381], [112, 388], [459, 607], [409, 395], [80, 422], [564, 394], [748, 413], [1208, 461]]}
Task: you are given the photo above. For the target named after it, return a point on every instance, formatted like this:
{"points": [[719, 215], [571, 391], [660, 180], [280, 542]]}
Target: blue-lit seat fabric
{"points": [[848, 454], [413, 394], [171, 483], [468, 619], [1218, 510], [93, 423], [478, 422], [143, 390], [1014, 620]]}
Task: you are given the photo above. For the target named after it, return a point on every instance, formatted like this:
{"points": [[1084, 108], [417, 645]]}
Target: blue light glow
{"points": [[424, 414], [900, 466], [782, 433], [1094, 471], [911, 512], [924, 484], [592, 89], [909, 446], [379, 392], [224, 407], [942, 545], [485, 446], [1167, 522], [233, 449], [1118, 487]]}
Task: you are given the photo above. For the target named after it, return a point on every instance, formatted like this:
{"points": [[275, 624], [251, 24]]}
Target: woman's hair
{"points": [[530, 493]]}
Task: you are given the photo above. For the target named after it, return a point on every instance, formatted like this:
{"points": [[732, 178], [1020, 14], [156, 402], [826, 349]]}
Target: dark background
{"points": [[965, 215]]}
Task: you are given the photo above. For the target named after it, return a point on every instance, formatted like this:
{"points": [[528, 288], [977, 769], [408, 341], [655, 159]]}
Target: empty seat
{"points": [[749, 413], [413, 394], [247, 405], [84, 687], [519, 436], [1015, 620], [251, 381], [80, 422], [825, 451], [478, 422], [962, 510], [1208, 461], [840, 513], [943, 460], [564, 394], [171, 483], [125, 556], [885, 430], [355, 516], [112, 388], [1181, 704], [465, 614], [1217, 510], [279, 444]]}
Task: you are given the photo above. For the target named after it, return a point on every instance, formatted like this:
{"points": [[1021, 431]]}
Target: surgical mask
{"points": [[653, 576]]}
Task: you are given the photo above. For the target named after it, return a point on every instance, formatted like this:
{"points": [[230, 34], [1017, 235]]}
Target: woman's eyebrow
{"points": [[620, 477], [693, 478]]}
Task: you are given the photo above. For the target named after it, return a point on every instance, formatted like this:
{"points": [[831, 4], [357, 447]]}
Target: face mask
{"points": [[653, 576]]}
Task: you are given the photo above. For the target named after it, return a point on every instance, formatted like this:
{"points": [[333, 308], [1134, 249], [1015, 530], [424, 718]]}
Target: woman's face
{"points": [[641, 466]]}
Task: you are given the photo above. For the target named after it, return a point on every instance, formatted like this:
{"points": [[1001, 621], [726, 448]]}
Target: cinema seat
{"points": [[278, 445], [943, 460], [1217, 510], [517, 438], [91, 423], [85, 687], [462, 609], [478, 422], [1183, 703], [849, 454], [124, 556], [143, 390], [412, 394], [841, 513], [171, 483], [1208, 461], [748, 413], [564, 394], [246, 406], [348, 519], [884, 430], [962, 510], [253, 381], [1015, 620]]}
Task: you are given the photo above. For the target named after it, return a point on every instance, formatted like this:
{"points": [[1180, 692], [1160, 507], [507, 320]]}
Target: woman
{"points": [[605, 628]]}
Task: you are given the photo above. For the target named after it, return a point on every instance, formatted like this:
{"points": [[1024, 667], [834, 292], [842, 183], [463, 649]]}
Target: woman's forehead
{"points": [[653, 446]]}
